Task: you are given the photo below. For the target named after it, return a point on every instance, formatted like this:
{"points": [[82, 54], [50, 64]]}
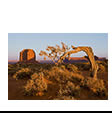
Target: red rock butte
{"points": [[27, 55]]}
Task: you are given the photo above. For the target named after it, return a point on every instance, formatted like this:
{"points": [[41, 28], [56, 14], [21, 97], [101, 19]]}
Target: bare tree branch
{"points": [[60, 54]]}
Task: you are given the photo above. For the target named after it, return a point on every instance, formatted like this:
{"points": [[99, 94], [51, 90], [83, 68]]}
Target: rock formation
{"points": [[27, 55]]}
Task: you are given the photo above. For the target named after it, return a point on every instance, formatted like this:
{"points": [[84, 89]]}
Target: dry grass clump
{"points": [[87, 66], [57, 74], [96, 86], [12, 69], [36, 86], [62, 75], [76, 78], [83, 66], [23, 74], [10, 66], [72, 68], [101, 68], [70, 89], [63, 67]]}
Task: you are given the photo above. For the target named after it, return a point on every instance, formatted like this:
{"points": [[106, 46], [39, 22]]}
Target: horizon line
{"points": [[51, 60]]}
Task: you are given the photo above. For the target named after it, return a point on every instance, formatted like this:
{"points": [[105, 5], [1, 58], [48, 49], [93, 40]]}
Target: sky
{"points": [[39, 41]]}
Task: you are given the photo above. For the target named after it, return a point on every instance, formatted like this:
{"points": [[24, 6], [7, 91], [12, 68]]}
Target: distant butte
{"points": [[27, 56]]}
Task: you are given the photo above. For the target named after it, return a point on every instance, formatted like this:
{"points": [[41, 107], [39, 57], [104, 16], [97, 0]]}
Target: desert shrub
{"points": [[47, 66], [101, 68], [72, 67], [103, 65], [83, 66], [12, 69], [70, 89], [57, 74], [87, 67], [61, 75], [23, 74], [40, 67], [56, 68], [36, 86], [96, 86], [76, 78], [61, 78], [63, 67], [10, 66], [23, 65]]}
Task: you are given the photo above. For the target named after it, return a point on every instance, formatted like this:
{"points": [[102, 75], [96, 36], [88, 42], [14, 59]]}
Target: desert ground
{"points": [[29, 81]]}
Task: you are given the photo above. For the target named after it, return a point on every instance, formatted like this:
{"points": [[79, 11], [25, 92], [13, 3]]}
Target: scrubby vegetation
{"points": [[96, 86], [36, 85], [60, 82], [23, 73], [70, 89]]}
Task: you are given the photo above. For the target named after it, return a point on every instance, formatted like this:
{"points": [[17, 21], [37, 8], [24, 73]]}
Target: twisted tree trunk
{"points": [[89, 52]]}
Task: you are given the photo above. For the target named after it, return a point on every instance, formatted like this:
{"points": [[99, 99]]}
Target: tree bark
{"points": [[89, 52]]}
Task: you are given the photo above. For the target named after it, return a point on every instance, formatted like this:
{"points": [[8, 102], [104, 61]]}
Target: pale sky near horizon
{"points": [[39, 41]]}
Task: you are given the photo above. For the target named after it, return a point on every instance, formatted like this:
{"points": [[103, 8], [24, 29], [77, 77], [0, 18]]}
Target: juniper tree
{"points": [[55, 53], [59, 54]]}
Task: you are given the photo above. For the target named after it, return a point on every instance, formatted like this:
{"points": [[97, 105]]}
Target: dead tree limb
{"points": [[89, 52]]}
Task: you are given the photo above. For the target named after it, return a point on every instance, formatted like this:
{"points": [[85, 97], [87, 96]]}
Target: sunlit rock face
{"points": [[27, 55]]}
